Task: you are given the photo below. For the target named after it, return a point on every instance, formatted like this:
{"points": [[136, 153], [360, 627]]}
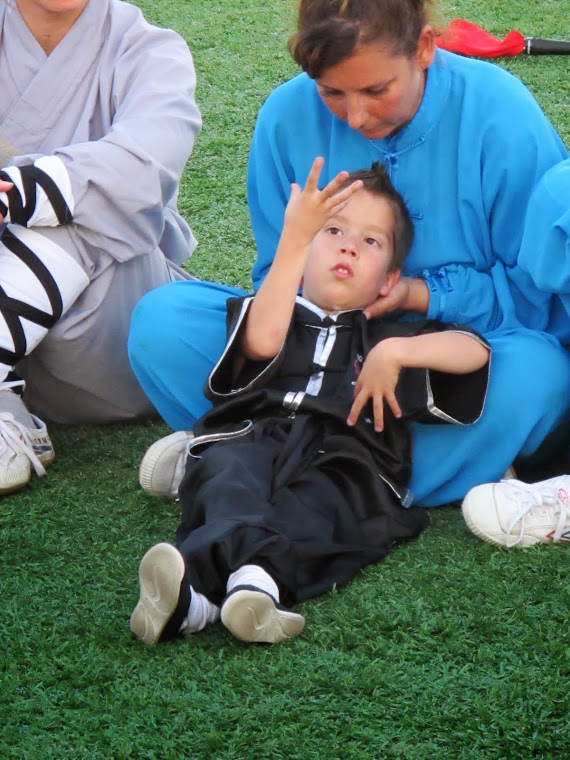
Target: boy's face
{"points": [[347, 267]]}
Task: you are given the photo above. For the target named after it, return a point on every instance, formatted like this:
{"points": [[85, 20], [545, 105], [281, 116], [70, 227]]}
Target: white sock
{"points": [[253, 575], [201, 612]]}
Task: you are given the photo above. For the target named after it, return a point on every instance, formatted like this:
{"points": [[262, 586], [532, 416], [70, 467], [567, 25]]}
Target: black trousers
{"points": [[300, 500]]}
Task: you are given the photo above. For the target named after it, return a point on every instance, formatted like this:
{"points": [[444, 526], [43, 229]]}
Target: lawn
{"points": [[450, 649]]}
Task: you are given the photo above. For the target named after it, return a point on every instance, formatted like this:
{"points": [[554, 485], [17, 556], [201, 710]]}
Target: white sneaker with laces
{"points": [[511, 512], [162, 467], [21, 449]]}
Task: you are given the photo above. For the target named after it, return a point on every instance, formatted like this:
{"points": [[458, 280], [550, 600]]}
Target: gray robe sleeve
{"points": [[124, 185]]}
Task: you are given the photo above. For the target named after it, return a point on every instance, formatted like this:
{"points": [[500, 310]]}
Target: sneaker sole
{"points": [[253, 616], [45, 458], [172, 445], [499, 537], [16, 486], [160, 574]]}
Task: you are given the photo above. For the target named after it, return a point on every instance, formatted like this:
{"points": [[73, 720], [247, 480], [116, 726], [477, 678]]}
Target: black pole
{"points": [[539, 46]]}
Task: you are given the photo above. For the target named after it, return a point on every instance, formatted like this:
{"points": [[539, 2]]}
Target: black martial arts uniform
{"points": [[275, 477]]}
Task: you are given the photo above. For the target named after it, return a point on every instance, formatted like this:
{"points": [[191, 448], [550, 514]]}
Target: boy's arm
{"points": [[272, 308], [449, 351]]}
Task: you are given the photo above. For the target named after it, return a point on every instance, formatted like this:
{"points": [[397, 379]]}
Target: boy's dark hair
{"points": [[377, 182], [329, 31]]}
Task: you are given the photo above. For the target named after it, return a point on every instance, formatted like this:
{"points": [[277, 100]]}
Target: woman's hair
{"points": [[377, 182], [328, 31]]}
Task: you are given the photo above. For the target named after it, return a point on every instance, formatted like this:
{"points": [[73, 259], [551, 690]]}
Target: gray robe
{"points": [[114, 103]]}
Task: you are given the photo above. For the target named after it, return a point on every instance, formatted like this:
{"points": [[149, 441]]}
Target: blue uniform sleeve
{"points": [[513, 153], [463, 295], [545, 248], [268, 189]]}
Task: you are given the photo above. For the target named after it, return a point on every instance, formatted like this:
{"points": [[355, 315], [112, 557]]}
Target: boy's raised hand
{"points": [[307, 212], [309, 208]]}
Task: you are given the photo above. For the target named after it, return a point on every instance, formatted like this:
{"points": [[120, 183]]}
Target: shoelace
{"points": [[15, 436], [537, 496]]}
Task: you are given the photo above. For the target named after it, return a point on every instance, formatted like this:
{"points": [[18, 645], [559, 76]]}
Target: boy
{"points": [[294, 481]]}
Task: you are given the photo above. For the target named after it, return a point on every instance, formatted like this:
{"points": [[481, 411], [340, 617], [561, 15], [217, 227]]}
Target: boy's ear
{"points": [[391, 279]]}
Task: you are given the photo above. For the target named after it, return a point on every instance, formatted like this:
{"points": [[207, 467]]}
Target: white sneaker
{"points": [[162, 467], [22, 449], [254, 615], [511, 512], [164, 595]]}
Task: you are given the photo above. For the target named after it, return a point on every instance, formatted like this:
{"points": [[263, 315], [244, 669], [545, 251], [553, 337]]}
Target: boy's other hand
{"points": [[377, 381]]}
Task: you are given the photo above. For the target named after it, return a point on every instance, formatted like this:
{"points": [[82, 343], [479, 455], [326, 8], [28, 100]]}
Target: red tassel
{"points": [[469, 39]]}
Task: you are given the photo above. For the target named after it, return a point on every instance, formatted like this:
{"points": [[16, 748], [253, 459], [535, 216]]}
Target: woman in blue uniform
{"points": [[465, 143]]}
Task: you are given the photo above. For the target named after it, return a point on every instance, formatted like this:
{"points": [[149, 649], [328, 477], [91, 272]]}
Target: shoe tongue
{"points": [[12, 403]]}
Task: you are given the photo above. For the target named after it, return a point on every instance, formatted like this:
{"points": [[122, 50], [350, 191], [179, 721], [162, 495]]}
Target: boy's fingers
{"points": [[356, 408], [393, 404], [351, 189], [336, 182], [340, 200], [333, 187], [295, 189], [378, 405], [342, 197], [314, 174]]}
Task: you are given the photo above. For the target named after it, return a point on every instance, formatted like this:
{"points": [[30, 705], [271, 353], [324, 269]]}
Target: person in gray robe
{"points": [[97, 121]]}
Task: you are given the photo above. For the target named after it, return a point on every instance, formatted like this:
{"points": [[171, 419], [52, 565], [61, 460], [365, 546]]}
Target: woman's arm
{"points": [[409, 294], [455, 294]]}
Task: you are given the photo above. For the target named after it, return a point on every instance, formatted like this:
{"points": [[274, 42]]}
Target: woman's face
{"points": [[52, 7], [374, 91]]}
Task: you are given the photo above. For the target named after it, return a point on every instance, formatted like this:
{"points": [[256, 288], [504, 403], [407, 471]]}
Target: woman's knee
{"points": [[176, 318], [149, 319], [529, 369]]}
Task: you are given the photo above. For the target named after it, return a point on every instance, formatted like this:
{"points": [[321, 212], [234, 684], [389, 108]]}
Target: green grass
{"points": [[448, 650]]}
